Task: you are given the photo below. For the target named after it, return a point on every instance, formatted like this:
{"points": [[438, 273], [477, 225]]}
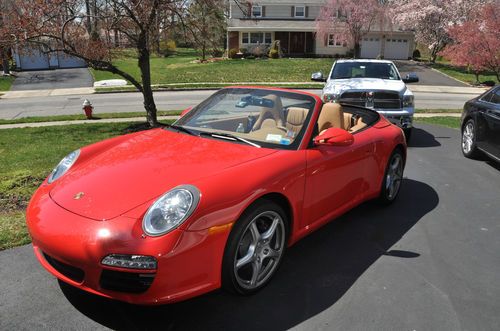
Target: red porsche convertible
{"points": [[213, 200]]}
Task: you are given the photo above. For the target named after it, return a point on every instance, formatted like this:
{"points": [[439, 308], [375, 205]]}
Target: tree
{"points": [[5, 41], [204, 24], [431, 19], [476, 42], [350, 20]]}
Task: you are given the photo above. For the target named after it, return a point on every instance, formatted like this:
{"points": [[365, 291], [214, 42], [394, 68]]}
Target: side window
{"points": [[487, 97], [495, 98]]}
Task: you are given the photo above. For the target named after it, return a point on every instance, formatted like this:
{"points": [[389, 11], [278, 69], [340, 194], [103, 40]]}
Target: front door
{"points": [[297, 42]]}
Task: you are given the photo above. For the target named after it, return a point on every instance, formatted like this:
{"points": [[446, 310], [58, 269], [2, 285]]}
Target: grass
{"points": [[448, 121], [427, 111], [27, 156], [82, 117], [180, 68], [6, 82], [462, 74]]}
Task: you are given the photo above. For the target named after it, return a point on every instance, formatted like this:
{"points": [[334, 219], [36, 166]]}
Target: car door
{"points": [[336, 178], [490, 112]]}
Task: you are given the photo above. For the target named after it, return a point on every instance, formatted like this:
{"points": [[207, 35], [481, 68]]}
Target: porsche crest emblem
{"points": [[79, 195]]}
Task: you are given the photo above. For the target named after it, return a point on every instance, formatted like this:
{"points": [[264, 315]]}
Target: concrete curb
{"points": [[47, 93], [142, 119]]}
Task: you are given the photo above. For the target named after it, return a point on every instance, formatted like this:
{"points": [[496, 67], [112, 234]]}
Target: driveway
{"points": [[427, 75], [430, 261], [52, 79]]}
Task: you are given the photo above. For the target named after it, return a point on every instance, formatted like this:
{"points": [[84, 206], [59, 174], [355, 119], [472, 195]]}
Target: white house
{"points": [[293, 23]]}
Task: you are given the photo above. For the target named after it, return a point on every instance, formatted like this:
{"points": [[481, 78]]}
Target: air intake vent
{"points": [[71, 272]]}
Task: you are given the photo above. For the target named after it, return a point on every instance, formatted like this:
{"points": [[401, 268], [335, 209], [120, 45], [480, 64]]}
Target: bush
{"points": [[489, 83], [416, 54], [274, 54], [232, 53], [216, 52], [167, 47], [250, 57]]}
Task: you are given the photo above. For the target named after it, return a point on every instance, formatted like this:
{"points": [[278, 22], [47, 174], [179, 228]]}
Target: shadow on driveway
{"points": [[422, 138], [315, 274]]}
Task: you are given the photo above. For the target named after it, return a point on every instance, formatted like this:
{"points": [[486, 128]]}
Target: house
{"points": [[292, 22], [34, 59]]}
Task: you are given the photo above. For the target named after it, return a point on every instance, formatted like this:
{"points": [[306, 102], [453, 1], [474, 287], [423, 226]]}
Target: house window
{"points": [[300, 11], [244, 38], [267, 38], [256, 11], [333, 41], [256, 38]]}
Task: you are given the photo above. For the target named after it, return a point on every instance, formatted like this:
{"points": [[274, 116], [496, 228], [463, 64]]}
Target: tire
{"points": [[469, 147], [393, 178], [254, 250], [407, 133]]}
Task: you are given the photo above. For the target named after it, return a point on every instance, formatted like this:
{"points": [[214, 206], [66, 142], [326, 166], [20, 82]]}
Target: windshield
{"points": [[343, 70], [267, 118]]}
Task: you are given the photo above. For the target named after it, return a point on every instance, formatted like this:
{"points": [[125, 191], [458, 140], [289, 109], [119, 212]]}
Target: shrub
{"points": [[274, 54], [416, 54], [232, 53], [167, 47], [250, 57], [216, 52]]}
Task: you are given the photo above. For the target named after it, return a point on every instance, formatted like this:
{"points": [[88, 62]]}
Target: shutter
{"points": [[307, 11], [325, 39], [249, 12], [263, 13], [293, 11]]}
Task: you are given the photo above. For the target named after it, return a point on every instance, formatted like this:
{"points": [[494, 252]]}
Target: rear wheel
{"points": [[255, 248], [469, 148], [393, 178]]}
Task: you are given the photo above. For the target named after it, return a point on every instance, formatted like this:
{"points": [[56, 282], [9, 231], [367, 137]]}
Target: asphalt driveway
{"points": [[52, 79], [430, 261], [426, 75]]}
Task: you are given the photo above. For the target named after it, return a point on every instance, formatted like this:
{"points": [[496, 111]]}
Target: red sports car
{"points": [[213, 200]]}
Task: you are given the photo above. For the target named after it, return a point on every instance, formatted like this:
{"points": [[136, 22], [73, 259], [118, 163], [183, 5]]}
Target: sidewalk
{"points": [[142, 119], [216, 86]]}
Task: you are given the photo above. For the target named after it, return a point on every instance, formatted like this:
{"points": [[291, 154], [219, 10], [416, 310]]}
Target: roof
{"points": [[365, 60]]}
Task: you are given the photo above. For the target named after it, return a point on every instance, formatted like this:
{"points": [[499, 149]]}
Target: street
{"points": [[169, 100], [429, 261]]}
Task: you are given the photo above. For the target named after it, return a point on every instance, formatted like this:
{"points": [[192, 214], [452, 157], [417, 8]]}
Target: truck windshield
{"points": [[343, 70]]}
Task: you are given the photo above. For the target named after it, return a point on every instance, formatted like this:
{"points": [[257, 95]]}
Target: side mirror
{"points": [[334, 137], [411, 78], [318, 77], [185, 111]]}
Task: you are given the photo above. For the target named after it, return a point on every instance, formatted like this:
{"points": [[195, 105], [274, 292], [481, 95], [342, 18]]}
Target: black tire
{"points": [[468, 141], [238, 279], [392, 176], [408, 133]]}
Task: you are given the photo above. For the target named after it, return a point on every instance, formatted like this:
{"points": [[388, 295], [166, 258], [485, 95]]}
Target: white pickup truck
{"points": [[374, 84]]}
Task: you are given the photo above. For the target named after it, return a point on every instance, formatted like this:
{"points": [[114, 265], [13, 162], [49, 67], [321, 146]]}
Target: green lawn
{"points": [[462, 74], [26, 158], [5, 83], [181, 69], [448, 121]]}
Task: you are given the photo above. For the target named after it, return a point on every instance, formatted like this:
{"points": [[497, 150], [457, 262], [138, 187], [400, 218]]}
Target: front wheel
{"points": [[255, 248], [469, 148], [393, 178]]}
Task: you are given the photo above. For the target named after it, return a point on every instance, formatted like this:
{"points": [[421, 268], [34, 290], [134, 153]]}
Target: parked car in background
{"points": [[481, 125], [213, 200], [374, 84]]}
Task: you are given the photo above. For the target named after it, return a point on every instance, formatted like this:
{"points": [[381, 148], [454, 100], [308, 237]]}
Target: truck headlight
{"points": [[170, 210], [408, 101]]}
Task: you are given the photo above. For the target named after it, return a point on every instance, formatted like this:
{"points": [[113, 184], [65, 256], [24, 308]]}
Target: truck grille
{"points": [[381, 99]]}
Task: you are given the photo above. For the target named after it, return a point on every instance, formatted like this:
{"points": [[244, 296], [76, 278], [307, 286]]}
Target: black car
{"points": [[481, 125]]}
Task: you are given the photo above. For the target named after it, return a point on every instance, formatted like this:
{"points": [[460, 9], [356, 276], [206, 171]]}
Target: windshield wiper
{"points": [[228, 136], [180, 128]]}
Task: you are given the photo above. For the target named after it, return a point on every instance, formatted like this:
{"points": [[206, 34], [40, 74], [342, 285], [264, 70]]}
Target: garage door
{"points": [[66, 61], [370, 47], [397, 49], [34, 60]]}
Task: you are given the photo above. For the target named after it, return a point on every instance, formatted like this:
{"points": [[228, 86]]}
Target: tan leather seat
{"points": [[295, 119], [275, 113], [347, 121], [331, 116], [359, 125]]}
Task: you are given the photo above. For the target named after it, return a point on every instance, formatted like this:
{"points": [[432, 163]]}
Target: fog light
{"points": [[130, 261]]}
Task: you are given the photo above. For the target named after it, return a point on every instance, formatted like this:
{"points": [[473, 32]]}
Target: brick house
{"points": [[293, 23]]}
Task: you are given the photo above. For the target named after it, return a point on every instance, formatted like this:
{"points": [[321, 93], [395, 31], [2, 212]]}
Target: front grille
{"points": [[126, 281], [71, 272], [381, 99]]}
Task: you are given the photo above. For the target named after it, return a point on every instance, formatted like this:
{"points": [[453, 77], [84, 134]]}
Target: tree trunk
{"points": [[476, 73], [5, 62], [147, 92], [357, 50]]}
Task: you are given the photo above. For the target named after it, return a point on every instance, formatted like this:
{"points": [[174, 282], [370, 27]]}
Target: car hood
{"points": [[141, 168], [338, 86]]}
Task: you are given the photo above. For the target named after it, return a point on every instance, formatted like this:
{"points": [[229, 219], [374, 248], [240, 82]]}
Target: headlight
{"points": [[64, 165], [170, 210], [408, 101], [330, 97]]}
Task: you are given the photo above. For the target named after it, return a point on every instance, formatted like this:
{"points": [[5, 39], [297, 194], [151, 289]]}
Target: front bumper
{"points": [[402, 118], [71, 247]]}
